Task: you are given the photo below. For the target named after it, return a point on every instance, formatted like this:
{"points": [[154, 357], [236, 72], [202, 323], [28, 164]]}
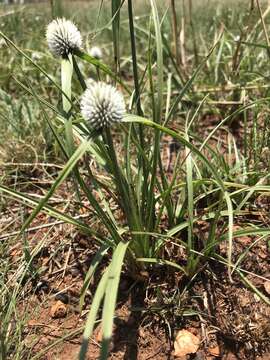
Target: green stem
{"points": [[66, 78], [136, 85], [134, 61], [129, 204]]}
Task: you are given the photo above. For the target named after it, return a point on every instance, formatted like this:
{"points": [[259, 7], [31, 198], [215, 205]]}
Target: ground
{"points": [[230, 320]]}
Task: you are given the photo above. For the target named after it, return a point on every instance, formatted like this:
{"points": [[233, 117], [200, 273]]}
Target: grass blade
{"points": [[116, 6], [61, 177], [97, 258], [99, 65], [90, 322], [111, 297], [159, 61]]}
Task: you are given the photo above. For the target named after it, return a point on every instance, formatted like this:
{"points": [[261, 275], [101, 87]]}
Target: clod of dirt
{"points": [[58, 310], [185, 343], [267, 287]]}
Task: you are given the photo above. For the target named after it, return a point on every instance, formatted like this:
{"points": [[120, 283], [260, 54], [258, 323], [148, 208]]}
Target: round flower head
{"points": [[102, 105], [96, 52], [63, 37]]}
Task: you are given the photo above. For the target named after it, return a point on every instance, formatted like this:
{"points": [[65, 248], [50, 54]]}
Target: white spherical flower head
{"points": [[102, 105], [63, 37], [96, 52]]}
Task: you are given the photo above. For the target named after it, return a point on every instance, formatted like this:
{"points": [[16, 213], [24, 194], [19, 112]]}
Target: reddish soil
{"points": [[224, 315]]}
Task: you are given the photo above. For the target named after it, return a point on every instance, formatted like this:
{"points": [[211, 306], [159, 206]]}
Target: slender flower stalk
{"points": [[102, 105]]}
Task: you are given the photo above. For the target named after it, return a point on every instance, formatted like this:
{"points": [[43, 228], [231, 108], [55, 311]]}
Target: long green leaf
{"points": [[25, 199], [90, 322], [62, 176], [162, 262], [230, 231], [252, 287], [98, 64], [111, 297], [159, 61], [116, 6], [97, 258], [181, 139]]}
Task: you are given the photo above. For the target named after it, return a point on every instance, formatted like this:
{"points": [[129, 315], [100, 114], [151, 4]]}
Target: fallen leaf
{"points": [[185, 343], [215, 351], [58, 310]]}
